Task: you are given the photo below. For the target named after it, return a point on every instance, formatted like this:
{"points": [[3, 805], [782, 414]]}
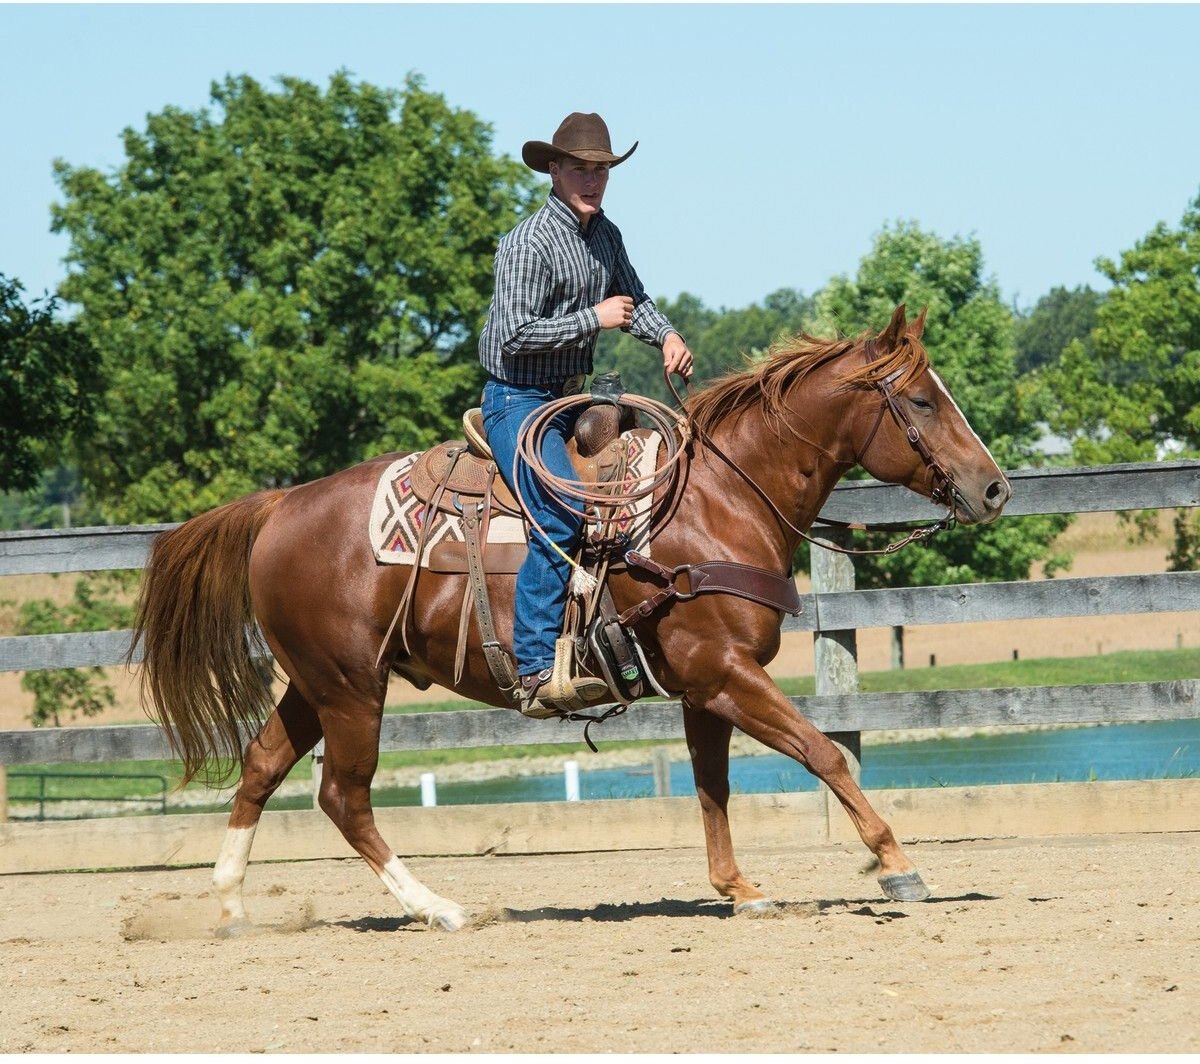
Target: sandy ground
{"points": [[1064, 945]]}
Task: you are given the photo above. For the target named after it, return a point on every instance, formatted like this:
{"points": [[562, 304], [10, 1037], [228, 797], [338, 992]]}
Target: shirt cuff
{"points": [[589, 320]]}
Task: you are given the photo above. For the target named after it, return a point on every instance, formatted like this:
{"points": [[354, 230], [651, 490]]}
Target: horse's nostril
{"points": [[997, 493]]}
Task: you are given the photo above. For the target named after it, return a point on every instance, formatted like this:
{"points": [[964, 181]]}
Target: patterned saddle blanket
{"points": [[398, 516]]}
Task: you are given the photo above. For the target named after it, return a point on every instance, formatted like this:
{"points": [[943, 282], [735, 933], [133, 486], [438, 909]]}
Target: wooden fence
{"points": [[832, 612]]}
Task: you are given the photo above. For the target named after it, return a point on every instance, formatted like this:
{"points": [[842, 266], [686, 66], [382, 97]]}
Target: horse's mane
{"points": [[767, 382]]}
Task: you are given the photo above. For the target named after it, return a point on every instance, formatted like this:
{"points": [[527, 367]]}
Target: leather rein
{"points": [[943, 492]]}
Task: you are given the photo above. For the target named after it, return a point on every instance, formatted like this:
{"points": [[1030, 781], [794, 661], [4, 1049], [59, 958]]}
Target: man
{"points": [[562, 275]]}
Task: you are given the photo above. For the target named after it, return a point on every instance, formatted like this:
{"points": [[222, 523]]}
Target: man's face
{"points": [[580, 185]]}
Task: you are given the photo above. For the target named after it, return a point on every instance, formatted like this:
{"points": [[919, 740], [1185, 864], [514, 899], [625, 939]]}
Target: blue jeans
{"points": [[541, 594]]}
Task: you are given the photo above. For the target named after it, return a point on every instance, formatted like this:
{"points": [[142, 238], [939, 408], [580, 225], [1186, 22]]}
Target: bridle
{"points": [[944, 492]]}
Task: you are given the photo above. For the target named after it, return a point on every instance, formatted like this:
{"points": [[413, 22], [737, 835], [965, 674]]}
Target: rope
{"points": [[673, 427]]}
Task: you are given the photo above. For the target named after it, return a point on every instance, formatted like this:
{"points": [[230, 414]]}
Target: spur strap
{"points": [[732, 578]]}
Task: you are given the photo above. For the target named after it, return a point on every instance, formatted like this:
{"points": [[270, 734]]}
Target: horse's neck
{"points": [[794, 465]]}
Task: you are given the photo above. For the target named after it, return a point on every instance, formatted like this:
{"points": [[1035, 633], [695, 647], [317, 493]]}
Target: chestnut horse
{"points": [[767, 446]]}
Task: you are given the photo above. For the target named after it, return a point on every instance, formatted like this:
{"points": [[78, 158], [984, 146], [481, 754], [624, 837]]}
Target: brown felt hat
{"points": [[580, 136]]}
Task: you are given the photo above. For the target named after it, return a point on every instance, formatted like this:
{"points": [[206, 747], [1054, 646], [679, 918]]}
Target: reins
{"points": [[937, 470], [676, 428]]}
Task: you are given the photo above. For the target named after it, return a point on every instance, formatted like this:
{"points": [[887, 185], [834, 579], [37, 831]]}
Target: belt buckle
{"points": [[573, 385]]}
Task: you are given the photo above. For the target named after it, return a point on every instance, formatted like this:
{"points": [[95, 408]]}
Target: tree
{"points": [[1059, 317], [719, 339], [48, 376], [56, 501], [282, 285], [1132, 392], [969, 333], [59, 693]]}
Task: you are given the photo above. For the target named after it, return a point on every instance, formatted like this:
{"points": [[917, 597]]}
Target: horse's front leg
{"points": [[708, 744], [749, 700]]}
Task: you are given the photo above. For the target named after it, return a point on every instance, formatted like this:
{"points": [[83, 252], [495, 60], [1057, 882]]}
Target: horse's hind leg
{"points": [[288, 734], [708, 744], [351, 755]]}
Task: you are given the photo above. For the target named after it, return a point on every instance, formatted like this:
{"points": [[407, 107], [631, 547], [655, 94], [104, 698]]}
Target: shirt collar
{"points": [[566, 216]]}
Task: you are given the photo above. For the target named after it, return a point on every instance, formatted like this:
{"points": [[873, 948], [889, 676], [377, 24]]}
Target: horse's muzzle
{"points": [[986, 506]]}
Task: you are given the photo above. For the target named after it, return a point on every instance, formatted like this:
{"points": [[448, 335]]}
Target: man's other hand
{"points": [[616, 312], [676, 356]]}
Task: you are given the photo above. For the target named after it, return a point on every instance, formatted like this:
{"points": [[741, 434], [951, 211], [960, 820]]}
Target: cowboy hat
{"points": [[580, 136]]}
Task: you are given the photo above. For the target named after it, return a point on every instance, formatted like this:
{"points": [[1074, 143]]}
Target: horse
{"points": [[765, 447]]}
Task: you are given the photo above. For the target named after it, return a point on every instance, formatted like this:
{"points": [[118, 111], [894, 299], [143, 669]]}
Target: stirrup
{"points": [[561, 693]]}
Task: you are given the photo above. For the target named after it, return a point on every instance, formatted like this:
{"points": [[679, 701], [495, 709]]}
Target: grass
{"points": [[1120, 667]]}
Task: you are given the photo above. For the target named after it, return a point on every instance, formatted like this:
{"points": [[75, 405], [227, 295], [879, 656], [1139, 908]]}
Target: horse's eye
{"points": [[921, 404]]}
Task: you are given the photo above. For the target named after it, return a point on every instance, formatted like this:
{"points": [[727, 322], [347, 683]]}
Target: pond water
{"points": [[1162, 749]]}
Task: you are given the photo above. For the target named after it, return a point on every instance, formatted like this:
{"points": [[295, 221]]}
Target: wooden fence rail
{"points": [[832, 612]]}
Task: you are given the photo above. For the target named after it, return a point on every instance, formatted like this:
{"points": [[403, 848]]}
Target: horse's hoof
{"points": [[756, 906], [904, 886], [234, 928], [450, 920]]}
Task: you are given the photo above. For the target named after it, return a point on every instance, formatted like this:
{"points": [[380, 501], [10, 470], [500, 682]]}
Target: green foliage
{"points": [[1057, 318], [1131, 393], [74, 692], [47, 385], [1134, 389], [282, 285], [57, 501], [720, 341], [969, 333]]}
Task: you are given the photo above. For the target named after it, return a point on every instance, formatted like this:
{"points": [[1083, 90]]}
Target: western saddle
{"points": [[597, 658]]}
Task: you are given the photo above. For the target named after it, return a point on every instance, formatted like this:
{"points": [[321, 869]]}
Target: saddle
{"points": [[460, 477], [460, 473]]}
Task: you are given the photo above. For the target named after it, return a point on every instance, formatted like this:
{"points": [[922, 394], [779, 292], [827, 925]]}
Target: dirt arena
{"points": [[1070, 945]]}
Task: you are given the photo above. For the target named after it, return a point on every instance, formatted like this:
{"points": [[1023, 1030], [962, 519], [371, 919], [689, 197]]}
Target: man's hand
{"points": [[676, 356], [616, 312]]}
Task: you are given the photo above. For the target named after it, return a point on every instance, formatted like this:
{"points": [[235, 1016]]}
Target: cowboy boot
{"points": [[527, 695]]}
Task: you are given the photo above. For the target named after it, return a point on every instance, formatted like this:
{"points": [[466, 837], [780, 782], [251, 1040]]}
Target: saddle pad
{"points": [[397, 515]]}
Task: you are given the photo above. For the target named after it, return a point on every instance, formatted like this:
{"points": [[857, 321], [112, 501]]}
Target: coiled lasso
{"points": [[672, 426]]}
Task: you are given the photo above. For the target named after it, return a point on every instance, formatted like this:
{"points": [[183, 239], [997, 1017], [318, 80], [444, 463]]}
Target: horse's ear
{"points": [[918, 327], [890, 337]]}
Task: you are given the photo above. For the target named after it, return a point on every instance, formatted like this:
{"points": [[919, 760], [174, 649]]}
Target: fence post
{"points": [[571, 779], [836, 652], [428, 790], [318, 768], [3, 794], [662, 772]]}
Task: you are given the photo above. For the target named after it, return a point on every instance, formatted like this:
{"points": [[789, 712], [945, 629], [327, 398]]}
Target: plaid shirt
{"points": [[542, 326]]}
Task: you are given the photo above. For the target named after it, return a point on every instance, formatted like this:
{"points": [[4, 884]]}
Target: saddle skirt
{"points": [[407, 489]]}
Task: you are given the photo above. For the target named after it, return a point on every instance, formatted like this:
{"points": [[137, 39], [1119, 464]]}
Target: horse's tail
{"points": [[198, 634]]}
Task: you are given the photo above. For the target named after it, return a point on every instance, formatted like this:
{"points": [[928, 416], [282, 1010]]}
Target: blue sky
{"points": [[775, 140]]}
